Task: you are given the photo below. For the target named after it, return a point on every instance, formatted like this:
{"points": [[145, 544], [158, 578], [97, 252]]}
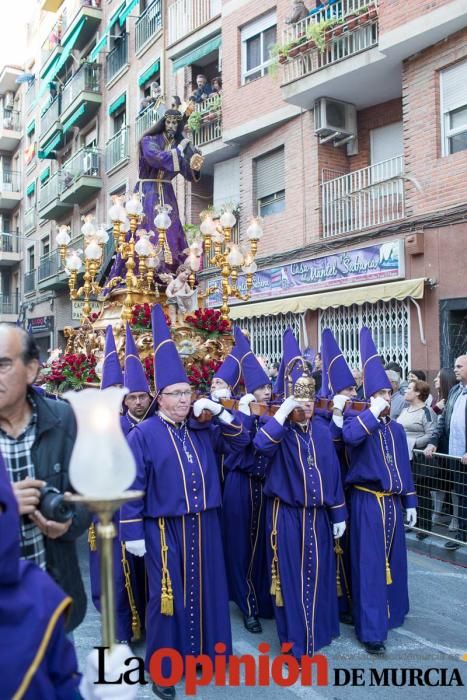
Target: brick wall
{"points": [[396, 13], [443, 179]]}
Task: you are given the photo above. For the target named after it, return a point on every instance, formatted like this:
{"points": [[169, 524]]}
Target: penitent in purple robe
{"points": [[160, 162], [379, 463], [305, 496], [244, 527], [177, 470]]}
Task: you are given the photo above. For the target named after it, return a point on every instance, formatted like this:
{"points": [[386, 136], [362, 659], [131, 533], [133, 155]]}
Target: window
{"points": [[257, 40], [31, 259], [453, 85], [45, 247], [270, 182], [266, 333]]}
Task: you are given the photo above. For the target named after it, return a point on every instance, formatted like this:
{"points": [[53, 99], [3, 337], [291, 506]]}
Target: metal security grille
{"points": [[266, 333], [389, 323]]}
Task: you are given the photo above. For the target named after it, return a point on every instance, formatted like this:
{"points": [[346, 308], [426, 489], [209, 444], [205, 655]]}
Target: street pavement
{"points": [[433, 636]]}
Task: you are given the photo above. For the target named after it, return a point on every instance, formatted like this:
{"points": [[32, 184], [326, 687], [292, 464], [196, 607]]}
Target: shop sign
{"points": [[360, 266], [41, 324], [77, 309]]}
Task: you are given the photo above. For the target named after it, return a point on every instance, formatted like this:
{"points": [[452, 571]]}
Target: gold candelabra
{"points": [[231, 258]]}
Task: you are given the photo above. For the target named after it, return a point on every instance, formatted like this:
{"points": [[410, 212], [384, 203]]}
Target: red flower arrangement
{"points": [[209, 321], [141, 317], [72, 371], [200, 375], [148, 366], [93, 317]]}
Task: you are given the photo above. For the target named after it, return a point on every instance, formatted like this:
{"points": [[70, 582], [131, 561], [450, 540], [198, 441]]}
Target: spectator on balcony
{"points": [[203, 89], [217, 85], [299, 11], [452, 429]]}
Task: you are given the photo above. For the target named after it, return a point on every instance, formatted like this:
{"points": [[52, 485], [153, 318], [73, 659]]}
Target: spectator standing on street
{"points": [[419, 423], [452, 426], [397, 398], [443, 382], [36, 440]]}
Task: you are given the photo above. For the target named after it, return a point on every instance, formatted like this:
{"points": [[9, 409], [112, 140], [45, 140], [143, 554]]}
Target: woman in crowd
{"points": [[444, 381], [419, 422]]}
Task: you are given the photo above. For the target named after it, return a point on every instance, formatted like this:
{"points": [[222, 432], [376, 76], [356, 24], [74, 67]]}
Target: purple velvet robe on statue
{"points": [[379, 462], [305, 496], [161, 161], [177, 470]]}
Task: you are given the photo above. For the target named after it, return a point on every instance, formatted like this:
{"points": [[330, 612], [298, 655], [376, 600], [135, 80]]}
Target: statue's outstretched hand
{"points": [[196, 162]]}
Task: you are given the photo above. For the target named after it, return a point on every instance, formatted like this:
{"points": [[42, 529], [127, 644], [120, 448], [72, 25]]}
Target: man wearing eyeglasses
{"points": [[177, 524], [36, 441]]}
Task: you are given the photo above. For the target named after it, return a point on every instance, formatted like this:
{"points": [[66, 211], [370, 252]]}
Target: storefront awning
{"points": [[325, 300], [192, 56]]}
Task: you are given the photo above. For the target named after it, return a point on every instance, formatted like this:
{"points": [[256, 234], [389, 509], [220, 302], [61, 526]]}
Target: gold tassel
{"points": [[92, 538], [135, 619], [388, 574], [167, 253], [339, 552], [279, 599], [275, 589], [167, 605]]}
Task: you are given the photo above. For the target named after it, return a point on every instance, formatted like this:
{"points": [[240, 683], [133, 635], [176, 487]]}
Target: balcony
{"points": [[145, 120], [209, 120], [51, 273], [30, 220], [148, 25], [117, 58], [362, 199], [187, 16], [86, 12], [10, 189], [29, 282], [50, 203], [81, 176], [334, 53], [10, 252], [50, 119], [9, 308], [51, 46], [117, 150], [30, 96], [10, 133], [81, 96]]}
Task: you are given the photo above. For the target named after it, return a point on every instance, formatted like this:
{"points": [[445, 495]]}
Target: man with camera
{"points": [[36, 441]]}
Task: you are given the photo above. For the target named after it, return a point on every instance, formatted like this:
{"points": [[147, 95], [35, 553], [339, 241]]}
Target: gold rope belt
{"points": [[275, 589], [135, 619], [167, 599], [380, 496]]}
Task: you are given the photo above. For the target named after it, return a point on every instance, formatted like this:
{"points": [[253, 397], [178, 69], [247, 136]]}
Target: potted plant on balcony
{"points": [[338, 28], [351, 21], [194, 121], [317, 33], [372, 11], [363, 15]]}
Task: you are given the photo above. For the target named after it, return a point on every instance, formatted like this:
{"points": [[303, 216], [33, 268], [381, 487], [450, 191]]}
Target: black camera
{"points": [[53, 506]]}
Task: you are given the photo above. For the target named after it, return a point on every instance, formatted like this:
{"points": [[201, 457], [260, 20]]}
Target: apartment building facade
{"points": [[345, 131]]}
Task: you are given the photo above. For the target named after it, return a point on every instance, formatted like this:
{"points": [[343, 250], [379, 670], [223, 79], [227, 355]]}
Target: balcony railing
{"points": [[9, 304], [117, 58], [9, 242], [53, 40], [72, 8], [364, 198], [30, 96], [117, 149], [50, 114], [211, 125], [10, 181], [49, 265], [337, 48], [30, 219], [338, 10], [29, 281], [86, 79], [85, 163], [185, 16], [148, 24], [145, 120], [9, 119], [51, 189]]}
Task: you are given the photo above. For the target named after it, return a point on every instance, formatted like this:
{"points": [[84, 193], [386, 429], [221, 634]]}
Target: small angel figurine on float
{"points": [[181, 298]]}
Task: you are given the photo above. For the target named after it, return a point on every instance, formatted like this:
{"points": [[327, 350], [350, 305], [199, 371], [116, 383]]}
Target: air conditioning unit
{"points": [[9, 100], [335, 121]]}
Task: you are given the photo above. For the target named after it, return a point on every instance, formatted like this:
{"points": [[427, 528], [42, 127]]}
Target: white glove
{"points": [[338, 420], [136, 547], [338, 529], [339, 401], [286, 408], [377, 405], [183, 144], [114, 667], [217, 410], [244, 403], [411, 516], [219, 394]]}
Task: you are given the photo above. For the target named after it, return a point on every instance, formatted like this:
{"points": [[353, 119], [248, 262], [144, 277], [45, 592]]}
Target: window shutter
{"points": [[454, 87], [270, 173], [259, 25], [227, 183]]}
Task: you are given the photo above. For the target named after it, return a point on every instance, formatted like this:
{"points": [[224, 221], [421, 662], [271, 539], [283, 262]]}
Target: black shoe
{"points": [[422, 535], [252, 624], [375, 647], [452, 545], [164, 692], [346, 618]]}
